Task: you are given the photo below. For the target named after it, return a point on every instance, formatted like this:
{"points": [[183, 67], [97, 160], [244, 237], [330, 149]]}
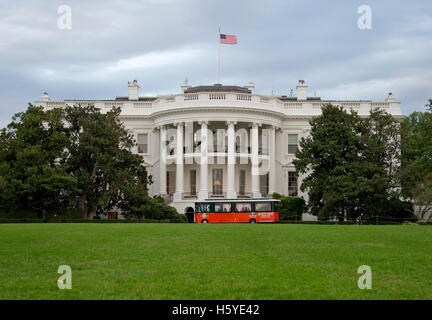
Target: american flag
{"points": [[228, 39]]}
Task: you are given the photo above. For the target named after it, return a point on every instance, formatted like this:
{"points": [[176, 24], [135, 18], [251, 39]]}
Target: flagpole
{"points": [[218, 71]]}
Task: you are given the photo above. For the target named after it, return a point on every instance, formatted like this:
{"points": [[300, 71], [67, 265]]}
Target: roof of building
{"points": [[217, 88], [139, 98], [285, 98]]}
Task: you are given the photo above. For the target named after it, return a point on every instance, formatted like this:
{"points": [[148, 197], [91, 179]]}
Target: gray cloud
{"points": [[160, 42]]}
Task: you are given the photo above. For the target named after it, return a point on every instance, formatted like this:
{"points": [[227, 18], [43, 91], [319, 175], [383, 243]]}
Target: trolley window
{"points": [[243, 207], [202, 208], [222, 207], [263, 206]]}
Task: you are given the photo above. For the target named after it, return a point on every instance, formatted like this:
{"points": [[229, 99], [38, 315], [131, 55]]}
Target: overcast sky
{"points": [[160, 42]]}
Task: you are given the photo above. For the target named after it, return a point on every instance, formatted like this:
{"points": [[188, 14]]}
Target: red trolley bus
{"points": [[237, 210]]}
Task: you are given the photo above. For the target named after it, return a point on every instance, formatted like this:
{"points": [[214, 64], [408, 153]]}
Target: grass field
{"points": [[226, 261]]}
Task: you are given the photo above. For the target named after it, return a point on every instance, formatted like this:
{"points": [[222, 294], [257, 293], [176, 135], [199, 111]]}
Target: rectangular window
{"points": [[242, 183], [264, 143], [193, 182], [243, 207], [292, 143], [222, 207], [217, 181], [264, 184], [218, 140], [202, 207], [171, 182], [263, 206], [143, 143], [292, 184]]}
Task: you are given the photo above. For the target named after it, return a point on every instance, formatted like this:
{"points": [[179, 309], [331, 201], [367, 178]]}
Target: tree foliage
{"points": [[350, 163], [417, 160], [99, 157], [290, 207], [31, 175], [71, 157]]}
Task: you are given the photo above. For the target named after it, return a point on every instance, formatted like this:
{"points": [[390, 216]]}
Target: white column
{"points": [[254, 161], [178, 195], [188, 141], [231, 192], [162, 161], [272, 159], [203, 192]]}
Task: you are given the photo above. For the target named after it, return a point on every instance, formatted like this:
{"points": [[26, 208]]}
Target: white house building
{"points": [[221, 141]]}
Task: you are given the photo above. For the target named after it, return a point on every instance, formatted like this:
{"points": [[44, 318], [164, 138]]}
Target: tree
{"points": [[290, 207], [68, 158], [137, 206], [328, 158], [416, 172], [100, 158], [429, 105], [349, 163], [30, 173], [380, 156]]}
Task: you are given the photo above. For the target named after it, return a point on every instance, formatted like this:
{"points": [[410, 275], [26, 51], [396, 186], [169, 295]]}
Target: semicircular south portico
{"points": [[216, 158]]}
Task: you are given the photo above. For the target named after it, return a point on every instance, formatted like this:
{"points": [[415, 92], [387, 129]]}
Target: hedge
{"points": [[89, 221]]}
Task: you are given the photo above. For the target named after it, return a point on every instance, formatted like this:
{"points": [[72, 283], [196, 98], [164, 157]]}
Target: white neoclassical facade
{"points": [[221, 141]]}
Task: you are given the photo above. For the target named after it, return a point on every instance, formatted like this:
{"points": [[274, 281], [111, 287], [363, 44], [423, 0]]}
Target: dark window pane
{"points": [[243, 207], [292, 184], [222, 207], [292, 143], [263, 206]]}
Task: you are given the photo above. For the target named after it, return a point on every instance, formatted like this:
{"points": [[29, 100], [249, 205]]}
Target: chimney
{"points": [[390, 98], [133, 90], [301, 90], [45, 97], [250, 86], [185, 86]]}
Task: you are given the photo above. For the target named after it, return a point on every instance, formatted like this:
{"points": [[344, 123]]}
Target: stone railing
{"points": [[55, 104], [383, 105], [227, 99], [217, 96], [113, 104], [192, 96], [142, 105], [244, 97], [318, 105], [293, 105]]}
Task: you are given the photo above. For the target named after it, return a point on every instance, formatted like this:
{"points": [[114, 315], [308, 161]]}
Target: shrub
{"points": [[290, 208], [398, 210]]}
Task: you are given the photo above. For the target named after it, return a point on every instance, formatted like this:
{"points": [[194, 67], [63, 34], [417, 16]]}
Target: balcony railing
{"points": [[190, 195], [218, 149], [223, 195], [218, 195]]}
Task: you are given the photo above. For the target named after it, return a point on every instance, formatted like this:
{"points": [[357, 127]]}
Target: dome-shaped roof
{"points": [[217, 88]]}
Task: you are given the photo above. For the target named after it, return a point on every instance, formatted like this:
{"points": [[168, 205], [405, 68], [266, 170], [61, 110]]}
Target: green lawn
{"points": [[225, 261]]}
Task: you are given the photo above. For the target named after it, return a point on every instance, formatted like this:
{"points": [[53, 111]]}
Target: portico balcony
{"points": [[223, 195], [222, 151], [249, 146]]}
